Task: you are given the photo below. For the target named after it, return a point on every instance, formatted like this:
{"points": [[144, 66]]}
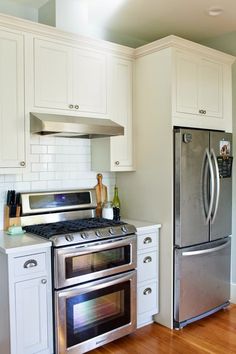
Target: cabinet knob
{"points": [[147, 240], [147, 259], [44, 281], [202, 111], [22, 163], [117, 163], [71, 106], [147, 291], [76, 106], [30, 263]]}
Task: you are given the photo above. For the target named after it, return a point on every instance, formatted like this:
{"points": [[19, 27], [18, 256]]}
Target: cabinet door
{"points": [[89, 81], [199, 86], [52, 75], [186, 83], [31, 301], [12, 127], [121, 113], [210, 88]]}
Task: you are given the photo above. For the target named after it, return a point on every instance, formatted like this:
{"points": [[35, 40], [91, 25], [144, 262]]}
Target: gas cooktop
{"points": [[79, 231]]}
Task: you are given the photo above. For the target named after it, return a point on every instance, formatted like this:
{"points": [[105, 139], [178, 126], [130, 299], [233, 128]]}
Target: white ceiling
{"points": [[135, 22]]}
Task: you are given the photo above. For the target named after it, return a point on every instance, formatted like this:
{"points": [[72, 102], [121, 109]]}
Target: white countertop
{"points": [[29, 242], [141, 225], [25, 242]]}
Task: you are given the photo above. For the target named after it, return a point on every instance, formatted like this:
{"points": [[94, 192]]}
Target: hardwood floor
{"points": [[215, 334]]}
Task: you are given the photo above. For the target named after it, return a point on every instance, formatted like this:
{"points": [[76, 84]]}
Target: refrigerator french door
{"points": [[203, 212]]}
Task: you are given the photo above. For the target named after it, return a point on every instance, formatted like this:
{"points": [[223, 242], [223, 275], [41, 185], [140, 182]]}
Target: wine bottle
{"points": [[116, 205]]}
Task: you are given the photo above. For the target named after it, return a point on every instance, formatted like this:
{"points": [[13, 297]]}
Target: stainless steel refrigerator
{"points": [[203, 212]]}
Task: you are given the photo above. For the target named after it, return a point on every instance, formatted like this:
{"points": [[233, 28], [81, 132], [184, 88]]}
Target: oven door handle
{"points": [[95, 247], [97, 284]]}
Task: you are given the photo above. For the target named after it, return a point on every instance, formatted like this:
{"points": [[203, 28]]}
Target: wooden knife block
{"points": [[10, 221]]}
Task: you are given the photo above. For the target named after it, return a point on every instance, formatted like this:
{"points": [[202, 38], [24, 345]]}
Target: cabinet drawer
{"points": [[147, 298], [147, 266], [147, 240], [30, 264]]}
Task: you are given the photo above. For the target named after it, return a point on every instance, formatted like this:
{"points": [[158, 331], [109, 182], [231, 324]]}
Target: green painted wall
{"points": [[19, 10]]}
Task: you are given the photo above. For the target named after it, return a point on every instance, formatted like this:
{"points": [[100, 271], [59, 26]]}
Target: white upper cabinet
{"points": [[70, 78], [116, 153], [89, 81], [121, 113], [201, 91], [12, 115], [52, 75]]}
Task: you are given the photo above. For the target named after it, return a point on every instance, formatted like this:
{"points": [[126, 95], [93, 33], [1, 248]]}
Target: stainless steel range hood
{"points": [[73, 127]]}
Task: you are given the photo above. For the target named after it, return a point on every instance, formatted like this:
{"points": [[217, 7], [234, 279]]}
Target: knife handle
{"points": [[18, 209]]}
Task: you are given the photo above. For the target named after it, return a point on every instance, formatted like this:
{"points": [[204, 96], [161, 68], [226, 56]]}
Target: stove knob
{"points": [[124, 228], [98, 233], [111, 231], [69, 238], [84, 235]]}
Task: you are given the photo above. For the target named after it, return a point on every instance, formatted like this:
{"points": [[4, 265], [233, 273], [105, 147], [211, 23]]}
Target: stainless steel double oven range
{"points": [[94, 263]]}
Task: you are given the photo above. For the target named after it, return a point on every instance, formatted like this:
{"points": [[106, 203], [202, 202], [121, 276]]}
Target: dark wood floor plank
{"points": [[215, 334]]}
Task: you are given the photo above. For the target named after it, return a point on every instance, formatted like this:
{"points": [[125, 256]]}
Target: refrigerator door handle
{"points": [[212, 186], [217, 178], [210, 250]]}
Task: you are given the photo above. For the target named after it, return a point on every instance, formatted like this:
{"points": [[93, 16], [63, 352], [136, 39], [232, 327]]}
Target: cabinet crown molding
{"points": [[183, 44], [19, 24]]}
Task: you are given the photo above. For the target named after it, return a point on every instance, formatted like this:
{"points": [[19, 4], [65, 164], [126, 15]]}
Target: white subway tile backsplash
{"points": [[38, 167], [55, 185], [47, 158], [39, 185], [33, 158], [22, 186], [13, 178], [52, 149], [31, 176], [63, 175], [55, 164], [46, 176], [39, 149], [47, 140]]}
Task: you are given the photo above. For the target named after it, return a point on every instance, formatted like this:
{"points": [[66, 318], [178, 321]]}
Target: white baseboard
{"points": [[233, 293]]}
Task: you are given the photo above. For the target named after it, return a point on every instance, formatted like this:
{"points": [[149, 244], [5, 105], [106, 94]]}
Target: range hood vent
{"points": [[73, 127]]}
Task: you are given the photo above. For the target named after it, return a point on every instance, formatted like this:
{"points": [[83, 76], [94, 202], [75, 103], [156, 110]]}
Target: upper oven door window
{"points": [[79, 264]]}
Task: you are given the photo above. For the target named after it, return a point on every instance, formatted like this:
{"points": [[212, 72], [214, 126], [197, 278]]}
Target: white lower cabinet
{"points": [[147, 274], [31, 315], [27, 319]]}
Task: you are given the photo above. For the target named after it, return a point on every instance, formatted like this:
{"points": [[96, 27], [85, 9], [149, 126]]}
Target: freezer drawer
{"points": [[202, 279]]}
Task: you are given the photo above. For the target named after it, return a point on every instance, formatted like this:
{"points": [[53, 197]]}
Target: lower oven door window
{"points": [[86, 313]]}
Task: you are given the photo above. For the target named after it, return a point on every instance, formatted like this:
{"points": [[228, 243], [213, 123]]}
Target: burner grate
{"points": [[63, 227]]}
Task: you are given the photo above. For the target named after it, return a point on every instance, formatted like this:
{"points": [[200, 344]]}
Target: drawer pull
{"points": [[147, 291], [147, 240], [44, 281], [147, 259], [30, 263]]}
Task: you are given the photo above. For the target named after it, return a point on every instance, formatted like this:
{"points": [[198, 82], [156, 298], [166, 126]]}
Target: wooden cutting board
{"points": [[101, 194]]}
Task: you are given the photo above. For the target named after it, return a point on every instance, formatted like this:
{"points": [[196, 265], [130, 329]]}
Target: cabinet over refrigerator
{"points": [[202, 223]]}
